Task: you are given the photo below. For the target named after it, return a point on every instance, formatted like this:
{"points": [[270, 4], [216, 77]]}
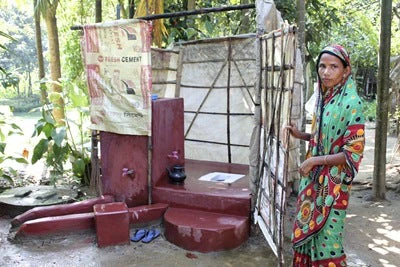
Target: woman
{"points": [[335, 151]]}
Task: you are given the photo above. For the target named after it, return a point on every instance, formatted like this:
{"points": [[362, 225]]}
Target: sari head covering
{"points": [[337, 126], [337, 51], [327, 94]]}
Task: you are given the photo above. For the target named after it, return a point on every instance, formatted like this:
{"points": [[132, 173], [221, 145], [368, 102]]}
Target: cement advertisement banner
{"points": [[117, 57]]}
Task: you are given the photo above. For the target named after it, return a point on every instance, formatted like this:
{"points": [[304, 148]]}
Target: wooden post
{"points": [[379, 176]]}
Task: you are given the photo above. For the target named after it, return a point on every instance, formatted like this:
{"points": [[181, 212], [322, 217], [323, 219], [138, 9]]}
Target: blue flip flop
{"points": [[139, 235], [151, 235]]}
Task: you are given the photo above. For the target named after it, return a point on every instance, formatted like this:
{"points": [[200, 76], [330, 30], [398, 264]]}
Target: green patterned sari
{"points": [[338, 124]]}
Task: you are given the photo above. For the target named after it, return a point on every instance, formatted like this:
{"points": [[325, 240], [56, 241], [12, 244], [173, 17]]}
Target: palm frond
{"points": [[151, 7], [6, 35]]}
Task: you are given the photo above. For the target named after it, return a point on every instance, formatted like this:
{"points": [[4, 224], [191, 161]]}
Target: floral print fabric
{"points": [[324, 194]]}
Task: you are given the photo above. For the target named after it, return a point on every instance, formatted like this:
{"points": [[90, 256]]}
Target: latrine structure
{"points": [[220, 107], [238, 94]]}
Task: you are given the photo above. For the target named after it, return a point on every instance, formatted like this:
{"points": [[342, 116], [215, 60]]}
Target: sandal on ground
{"points": [[151, 235], [139, 235]]}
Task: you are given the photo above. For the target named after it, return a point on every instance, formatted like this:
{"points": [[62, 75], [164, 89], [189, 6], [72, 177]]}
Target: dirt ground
{"points": [[372, 235], [372, 228]]}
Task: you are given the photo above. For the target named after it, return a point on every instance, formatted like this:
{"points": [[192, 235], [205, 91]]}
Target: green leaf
{"points": [[6, 177], [2, 147], [209, 27], [190, 32], [77, 98], [78, 167], [39, 150], [38, 128], [2, 136], [55, 96], [15, 127], [21, 160], [58, 135], [48, 129], [15, 132], [48, 117]]}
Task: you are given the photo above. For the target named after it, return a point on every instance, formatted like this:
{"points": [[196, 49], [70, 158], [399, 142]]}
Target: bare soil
{"points": [[372, 227], [372, 234]]}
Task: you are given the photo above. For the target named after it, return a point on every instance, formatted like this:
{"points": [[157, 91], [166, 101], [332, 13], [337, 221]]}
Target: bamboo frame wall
{"points": [[216, 78], [277, 76]]}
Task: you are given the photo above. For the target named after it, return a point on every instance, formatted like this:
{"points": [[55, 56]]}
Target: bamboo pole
{"points": [[187, 13], [197, 12]]}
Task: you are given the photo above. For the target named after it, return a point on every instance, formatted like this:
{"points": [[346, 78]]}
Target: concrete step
{"points": [[203, 231], [228, 198], [208, 200]]}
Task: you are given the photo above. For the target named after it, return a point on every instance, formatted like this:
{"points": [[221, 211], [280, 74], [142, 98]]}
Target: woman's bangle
{"points": [[326, 160]]}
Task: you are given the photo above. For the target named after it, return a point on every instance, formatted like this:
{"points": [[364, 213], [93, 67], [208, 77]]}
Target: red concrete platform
{"points": [[147, 213], [233, 199], [83, 206], [206, 216], [80, 221], [112, 224], [205, 231], [57, 224]]}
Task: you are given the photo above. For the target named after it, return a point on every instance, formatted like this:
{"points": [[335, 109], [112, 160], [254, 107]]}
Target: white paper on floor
{"points": [[221, 177]]}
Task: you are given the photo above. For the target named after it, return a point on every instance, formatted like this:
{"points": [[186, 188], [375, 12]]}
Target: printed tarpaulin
{"points": [[117, 57]]}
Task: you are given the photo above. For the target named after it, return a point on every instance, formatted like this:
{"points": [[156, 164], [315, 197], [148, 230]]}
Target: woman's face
{"points": [[331, 70]]}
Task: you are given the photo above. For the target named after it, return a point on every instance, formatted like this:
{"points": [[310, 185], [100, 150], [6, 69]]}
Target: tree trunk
{"points": [[123, 12], [29, 84], [379, 176], [98, 11], [39, 51], [245, 23], [191, 4], [301, 22], [131, 8], [95, 182], [55, 65]]}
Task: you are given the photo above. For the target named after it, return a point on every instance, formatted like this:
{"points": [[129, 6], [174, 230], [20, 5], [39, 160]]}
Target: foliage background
{"points": [[355, 24]]}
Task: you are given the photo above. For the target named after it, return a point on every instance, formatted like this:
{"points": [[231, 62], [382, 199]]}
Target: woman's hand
{"points": [[294, 131], [306, 166]]}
